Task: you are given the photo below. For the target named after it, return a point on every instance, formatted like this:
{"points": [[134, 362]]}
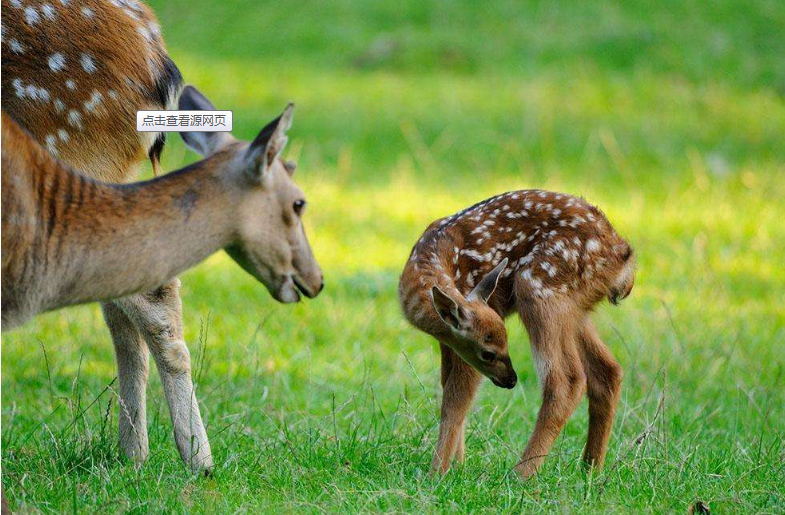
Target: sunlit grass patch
{"points": [[668, 117]]}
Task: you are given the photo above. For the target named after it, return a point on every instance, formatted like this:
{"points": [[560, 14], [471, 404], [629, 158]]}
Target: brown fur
{"points": [[68, 239], [551, 258], [84, 112]]}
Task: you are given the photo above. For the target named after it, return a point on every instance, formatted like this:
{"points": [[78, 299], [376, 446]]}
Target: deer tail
{"points": [[622, 284]]}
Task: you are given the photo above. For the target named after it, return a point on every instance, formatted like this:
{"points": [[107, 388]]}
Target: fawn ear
{"points": [[487, 285], [269, 144], [203, 143], [449, 310]]}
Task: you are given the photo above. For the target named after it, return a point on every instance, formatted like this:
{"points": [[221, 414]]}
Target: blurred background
{"points": [[670, 116]]}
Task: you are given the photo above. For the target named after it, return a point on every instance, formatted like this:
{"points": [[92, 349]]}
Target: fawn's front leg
{"points": [[132, 370], [158, 316], [459, 382]]}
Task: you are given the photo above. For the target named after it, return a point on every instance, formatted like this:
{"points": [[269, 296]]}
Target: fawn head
{"points": [[479, 334], [270, 243]]}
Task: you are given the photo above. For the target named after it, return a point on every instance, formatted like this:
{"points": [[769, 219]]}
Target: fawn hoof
{"points": [[525, 471]]}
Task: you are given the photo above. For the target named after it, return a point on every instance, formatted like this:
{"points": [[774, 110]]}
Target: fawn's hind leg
{"points": [[459, 382], [551, 324], [603, 385]]}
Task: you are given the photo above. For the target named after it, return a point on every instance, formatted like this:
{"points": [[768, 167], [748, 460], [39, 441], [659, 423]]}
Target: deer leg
{"points": [[460, 382], [603, 386], [560, 372], [158, 316], [132, 369]]}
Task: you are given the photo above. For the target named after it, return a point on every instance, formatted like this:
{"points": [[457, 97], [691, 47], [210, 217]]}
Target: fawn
{"points": [[549, 256], [68, 239]]}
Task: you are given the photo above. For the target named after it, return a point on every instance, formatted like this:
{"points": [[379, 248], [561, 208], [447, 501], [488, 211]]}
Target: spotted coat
{"points": [[558, 245], [74, 73]]}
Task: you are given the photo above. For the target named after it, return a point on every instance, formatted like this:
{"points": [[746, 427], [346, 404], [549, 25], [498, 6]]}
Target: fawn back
{"points": [[76, 72]]}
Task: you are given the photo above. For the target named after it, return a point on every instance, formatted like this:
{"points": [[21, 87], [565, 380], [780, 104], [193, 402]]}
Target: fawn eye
{"points": [[488, 355], [298, 207]]}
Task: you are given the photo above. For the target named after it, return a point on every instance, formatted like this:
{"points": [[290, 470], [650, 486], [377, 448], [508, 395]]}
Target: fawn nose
{"points": [[508, 382]]}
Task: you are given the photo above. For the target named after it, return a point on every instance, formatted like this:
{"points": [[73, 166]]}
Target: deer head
{"points": [[270, 244], [479, 334]]}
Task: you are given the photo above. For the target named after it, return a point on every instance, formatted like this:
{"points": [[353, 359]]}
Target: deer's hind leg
{"points": [[459, 383], [603, 385], [551, 323], [158, 317]]}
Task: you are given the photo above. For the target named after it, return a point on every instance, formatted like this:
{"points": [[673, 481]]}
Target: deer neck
{"points": [[136, 237]]}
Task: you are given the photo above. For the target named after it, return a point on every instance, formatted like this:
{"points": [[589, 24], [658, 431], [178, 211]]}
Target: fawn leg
{"points": [[132, 370], [158, 316], [552, 332], [603, 386], [460, 382]]}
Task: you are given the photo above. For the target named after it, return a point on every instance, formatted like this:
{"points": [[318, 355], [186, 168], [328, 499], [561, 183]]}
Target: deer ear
{"points": [[449, 310], [203, 143], [269, 143], [487, 285]]}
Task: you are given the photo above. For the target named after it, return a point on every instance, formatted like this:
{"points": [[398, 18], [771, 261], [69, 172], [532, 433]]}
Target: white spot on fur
{"points": [[16, 46], [63, 135], [549, 268], [59, 105], [88, 64], [51, 144], [48, 11], [56, 62], [113, 94], [87, 12], [16, 3], [592, 245], [70, 84], [31, 16], [65, 2], [35, 93], [19, 87], [75, 119], [95, 100], [145, 33]]}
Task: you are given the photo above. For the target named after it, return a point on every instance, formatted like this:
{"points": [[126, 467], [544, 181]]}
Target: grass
{"points": [[670, 117]]}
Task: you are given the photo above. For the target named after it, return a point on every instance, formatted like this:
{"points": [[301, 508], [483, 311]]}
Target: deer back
{"points": [[76, 72]]}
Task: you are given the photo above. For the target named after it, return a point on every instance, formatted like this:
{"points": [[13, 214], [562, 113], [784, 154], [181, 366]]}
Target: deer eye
{"points": [[298, 207], [488, 356]]}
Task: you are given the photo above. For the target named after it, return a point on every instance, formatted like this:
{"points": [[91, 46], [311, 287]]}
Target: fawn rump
{"points": [[550, 257]]}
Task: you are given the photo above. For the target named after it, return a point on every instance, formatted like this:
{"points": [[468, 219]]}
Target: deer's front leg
{"points": [[132, 369], [158, 316], [460, 382]]}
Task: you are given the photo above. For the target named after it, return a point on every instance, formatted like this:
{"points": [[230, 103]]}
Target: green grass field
{"points": [[671, 117]]}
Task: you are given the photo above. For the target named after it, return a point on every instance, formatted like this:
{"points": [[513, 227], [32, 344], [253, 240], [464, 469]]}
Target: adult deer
{"points": [[74, 74], [68, 239], [549, 256]]}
